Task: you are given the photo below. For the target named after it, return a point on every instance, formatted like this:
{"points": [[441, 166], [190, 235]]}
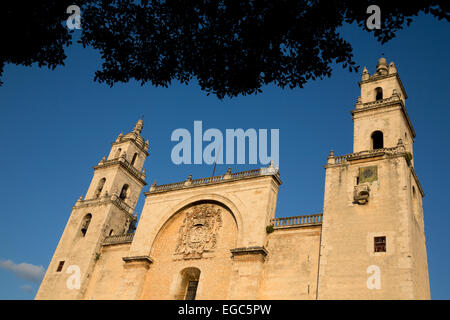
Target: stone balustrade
{"points": [[207, 180], [392, 99], [313, 219], [118, 239], [228, 176], [122, 205], [105, 200], [399, 149], [124, 162], [381, 101]]}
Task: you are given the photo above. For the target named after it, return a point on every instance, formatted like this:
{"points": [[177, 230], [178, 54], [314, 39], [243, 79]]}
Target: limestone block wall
{"points": [[74, 249], [387, 83], [392, 123], [420, 265], [130, 149], [108, 273], [116, 178], [290, 269], [349, 230], [80, 251], [109, 174]]}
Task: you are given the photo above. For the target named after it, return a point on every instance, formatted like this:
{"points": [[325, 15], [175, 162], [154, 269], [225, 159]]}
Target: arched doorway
{"points": [[187, 289]]}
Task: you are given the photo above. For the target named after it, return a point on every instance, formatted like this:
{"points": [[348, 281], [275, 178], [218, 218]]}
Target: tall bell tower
{"points": [[107, 209], [373, 238]]}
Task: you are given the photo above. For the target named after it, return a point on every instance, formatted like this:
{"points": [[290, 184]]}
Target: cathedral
{"points": [[218, 238]]}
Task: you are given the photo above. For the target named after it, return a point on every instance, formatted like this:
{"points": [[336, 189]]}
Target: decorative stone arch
{"points": [[219, 199]]}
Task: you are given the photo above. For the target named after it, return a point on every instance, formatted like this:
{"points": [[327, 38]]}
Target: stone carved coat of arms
{"points": [[199, 231]]}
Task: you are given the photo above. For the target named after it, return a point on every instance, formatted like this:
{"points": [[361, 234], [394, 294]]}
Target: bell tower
{"points": [[373, 238], [107, 209], [380, 118]]}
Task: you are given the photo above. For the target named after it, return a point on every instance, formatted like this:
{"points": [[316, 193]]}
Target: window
{"points": [[111, 232], [378, 94], [134, 159], [191, 290], [380, 244], [101, 183], [132, 227], [188, 285], [118, 153], [377, 140], [85, 225], [60, 266], [123, 193]]}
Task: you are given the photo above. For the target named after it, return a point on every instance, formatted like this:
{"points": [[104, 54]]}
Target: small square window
{"points": [[60, 266], [380, 244]]}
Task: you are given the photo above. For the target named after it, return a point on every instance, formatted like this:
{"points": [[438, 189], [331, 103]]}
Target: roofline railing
{"points": [[312, 219], [228, 176], [118, 239]]}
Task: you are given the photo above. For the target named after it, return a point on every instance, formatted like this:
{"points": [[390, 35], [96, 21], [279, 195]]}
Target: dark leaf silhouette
{"points": [[229, 47]]}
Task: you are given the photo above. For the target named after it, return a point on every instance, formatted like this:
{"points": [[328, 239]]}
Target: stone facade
{"points": [[218, 238]]}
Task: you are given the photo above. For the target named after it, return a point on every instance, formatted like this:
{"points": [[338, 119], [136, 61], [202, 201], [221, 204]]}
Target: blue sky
{"points": [[56, 125]]}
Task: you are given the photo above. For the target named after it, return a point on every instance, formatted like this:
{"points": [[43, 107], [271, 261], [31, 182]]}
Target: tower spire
{"points": [[138, 126], [382, 66]]}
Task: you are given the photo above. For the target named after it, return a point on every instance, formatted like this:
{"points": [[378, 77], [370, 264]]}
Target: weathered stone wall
{"points": [[391, 122], [108, 273], [349, 230], [387, 83], [290, 269], [420, 265]]}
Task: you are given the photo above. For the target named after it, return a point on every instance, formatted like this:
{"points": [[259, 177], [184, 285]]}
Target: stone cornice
{"points": [[398, 151], [124, 164], [249, 250], [145, 259], [377, 77], [126, 139], [105, 201], [383, 104]]}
